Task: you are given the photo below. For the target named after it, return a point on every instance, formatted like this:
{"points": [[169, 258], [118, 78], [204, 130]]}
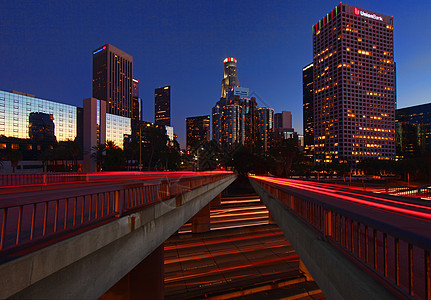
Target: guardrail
{"points": [[421, 191], [11, 179], [400, 259], [31, 221]]}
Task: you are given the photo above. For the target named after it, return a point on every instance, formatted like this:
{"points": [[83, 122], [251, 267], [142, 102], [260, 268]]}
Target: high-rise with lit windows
{"points": [[308, 110], [162, 106], [198, 130], [112, 79], [354, 85], [230, 78]]}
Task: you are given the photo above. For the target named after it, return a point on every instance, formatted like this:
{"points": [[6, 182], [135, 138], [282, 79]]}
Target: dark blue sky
{"points": [[46, 48]]}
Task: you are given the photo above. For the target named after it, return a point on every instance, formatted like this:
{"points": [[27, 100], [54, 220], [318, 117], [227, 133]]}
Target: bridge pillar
{"points": [[145, 281], [201, 221], [303, 269], [216, 202], [271, 219]]}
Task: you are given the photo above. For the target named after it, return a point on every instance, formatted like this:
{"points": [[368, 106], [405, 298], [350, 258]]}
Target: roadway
{"points": [[242, 256]]}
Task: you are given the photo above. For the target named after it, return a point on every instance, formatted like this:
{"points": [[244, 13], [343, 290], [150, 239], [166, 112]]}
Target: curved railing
{"points": [[398, 258]]}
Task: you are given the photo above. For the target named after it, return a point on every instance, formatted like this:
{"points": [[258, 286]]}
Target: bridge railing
{"points": [[11, 179], [32, 221], [400, 259]]}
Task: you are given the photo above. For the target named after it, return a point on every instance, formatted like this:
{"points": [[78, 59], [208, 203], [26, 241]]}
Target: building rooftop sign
{"points": [[368, 15]]}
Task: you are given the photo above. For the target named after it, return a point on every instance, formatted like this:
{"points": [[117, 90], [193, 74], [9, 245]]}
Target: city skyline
{"points": [[48, 50]]}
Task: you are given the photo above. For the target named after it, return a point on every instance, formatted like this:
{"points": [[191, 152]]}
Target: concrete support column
{"points": [[271, 219], [145, 281], [216, 202], [303, 269], [201, 221]]}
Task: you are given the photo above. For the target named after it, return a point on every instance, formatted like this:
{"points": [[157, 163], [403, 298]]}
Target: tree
{"points": [[14, 156], [114, 159], [284, 151], [98, 153]]}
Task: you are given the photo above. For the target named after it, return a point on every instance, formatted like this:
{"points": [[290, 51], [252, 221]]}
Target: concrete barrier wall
{"points": [[86, 266]]}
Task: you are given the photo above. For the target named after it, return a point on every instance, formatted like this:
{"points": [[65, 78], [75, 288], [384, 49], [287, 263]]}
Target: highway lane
{"points": [[242, 254]]}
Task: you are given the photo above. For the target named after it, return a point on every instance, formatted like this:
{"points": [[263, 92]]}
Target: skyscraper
{"points": [[354, 85], [136, 101], [198, 130], [413, 131], [230, 79], [162, 106], [112, 79], [283, 125], [283, 120], [266, 116], [308, 109]]}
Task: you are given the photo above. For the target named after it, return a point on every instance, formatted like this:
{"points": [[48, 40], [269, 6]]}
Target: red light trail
{"points": [[333, 193]]}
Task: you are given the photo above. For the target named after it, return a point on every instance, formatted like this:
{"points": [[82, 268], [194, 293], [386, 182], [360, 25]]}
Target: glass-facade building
{"points": [[24, 118], [15, 110], [116, 128], [413, 130]]}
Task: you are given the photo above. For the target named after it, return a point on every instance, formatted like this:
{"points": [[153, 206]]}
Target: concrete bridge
{"points": [[100, 235], [77, 240]]}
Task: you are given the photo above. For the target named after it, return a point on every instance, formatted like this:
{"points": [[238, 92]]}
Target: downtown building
{"points": [[197, 130], [113, 80], [308, 110], [354, 86], [162, 106], [413, 131], [235, 118]]}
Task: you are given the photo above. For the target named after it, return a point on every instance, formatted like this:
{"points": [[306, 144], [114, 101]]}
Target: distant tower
{"points": [[162, 106], [112, 79], [308, 109], [198, 130], [136, 101], [266, 116], [230, 79]]}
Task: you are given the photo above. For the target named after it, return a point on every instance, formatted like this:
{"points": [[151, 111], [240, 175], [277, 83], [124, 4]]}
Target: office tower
{"points": [[162, 106], [233, 122], [251, 123], [413, 131], [112, 79], [283, 125], [230, 79], [354, 85], [308, 110], [198, 130], [136, 101], [283, 120], [266, 116]]}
